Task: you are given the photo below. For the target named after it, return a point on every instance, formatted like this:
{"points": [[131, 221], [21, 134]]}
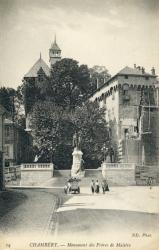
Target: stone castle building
{"points": [[131, 99], [40, 70]]}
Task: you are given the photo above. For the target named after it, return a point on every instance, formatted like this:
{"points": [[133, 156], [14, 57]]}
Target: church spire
{"points": [[54, 52], [55, 38], [40, 55]]}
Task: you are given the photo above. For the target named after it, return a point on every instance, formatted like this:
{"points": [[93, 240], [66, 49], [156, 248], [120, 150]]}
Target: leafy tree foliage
{"points": [[30, 93], [99, 75], [89, 121], [13, 102], [69, 83], [53, 129], [7, 99], [59, 107]]}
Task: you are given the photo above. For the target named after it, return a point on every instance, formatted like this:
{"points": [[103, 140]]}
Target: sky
{"points": [[110, 33]]}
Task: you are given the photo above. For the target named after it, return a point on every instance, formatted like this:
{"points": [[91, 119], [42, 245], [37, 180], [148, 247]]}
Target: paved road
{"points": [[28, 211], [119, 213]]}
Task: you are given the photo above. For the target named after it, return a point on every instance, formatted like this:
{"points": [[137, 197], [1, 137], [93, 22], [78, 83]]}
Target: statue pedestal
{"points": [[104, 169], [76, 166]]}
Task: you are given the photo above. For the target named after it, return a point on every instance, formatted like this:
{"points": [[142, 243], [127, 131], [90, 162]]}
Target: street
{"points": [[123, 209], [51, 213], [27, 210]]}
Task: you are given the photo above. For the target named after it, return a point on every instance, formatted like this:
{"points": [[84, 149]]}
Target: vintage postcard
{"points": [[79, 124]]}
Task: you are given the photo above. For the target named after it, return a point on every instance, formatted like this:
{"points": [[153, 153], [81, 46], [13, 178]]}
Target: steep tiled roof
{"points": [[39, 64], [127, 71], [132, 71]]}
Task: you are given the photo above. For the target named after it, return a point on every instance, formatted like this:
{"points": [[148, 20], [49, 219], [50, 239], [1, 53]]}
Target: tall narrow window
{"points": [[126, 96], [7, 131]]}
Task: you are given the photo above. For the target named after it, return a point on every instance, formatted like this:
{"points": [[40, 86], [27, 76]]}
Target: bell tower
{"points": [[54, 53]]}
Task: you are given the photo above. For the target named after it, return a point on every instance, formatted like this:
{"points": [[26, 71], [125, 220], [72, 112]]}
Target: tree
{"points": [[7, 99], [53, 128], [89, 122], [59, 108], [12, 101], [99, 75], [50, 128], [69, 83]]}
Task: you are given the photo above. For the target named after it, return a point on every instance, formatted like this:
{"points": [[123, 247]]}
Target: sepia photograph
{"points": [[79, 124]]}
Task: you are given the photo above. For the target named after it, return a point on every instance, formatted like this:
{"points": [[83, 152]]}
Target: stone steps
{"points": [[62, 173]]}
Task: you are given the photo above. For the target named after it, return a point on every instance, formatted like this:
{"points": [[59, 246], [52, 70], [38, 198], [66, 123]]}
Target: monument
{"points": [[106, 160], [76, 171]]}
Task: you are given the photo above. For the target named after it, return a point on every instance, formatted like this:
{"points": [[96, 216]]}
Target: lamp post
{"points": [[105, 151], [104, 164]]}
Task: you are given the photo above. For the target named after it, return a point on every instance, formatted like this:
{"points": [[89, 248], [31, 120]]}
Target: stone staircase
{"points": [[62, 173], [91, 174], [142, 173], [61, 176]]}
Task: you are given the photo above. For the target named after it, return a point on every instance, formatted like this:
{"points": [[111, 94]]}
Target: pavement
{"points": [[128, 215], [25, 211], [124, 209]]}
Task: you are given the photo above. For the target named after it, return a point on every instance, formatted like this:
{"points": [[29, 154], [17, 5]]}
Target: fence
{"points": [[12, 173], [37, 166], [118, 165]]}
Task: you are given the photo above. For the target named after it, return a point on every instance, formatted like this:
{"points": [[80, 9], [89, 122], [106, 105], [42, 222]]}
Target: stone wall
{"points": [[151, 140], [114, 176], [35, 178], [36, 174], [120, 177], [132, 151]]}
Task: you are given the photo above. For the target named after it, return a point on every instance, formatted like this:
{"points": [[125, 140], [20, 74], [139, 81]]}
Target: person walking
{"points": [[69, 187], [92, 186], [105, 186], [149, 182], [97, 187]]}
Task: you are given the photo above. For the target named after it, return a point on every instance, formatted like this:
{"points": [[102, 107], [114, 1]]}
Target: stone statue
{"points": [[76, 140], [77, 166]]}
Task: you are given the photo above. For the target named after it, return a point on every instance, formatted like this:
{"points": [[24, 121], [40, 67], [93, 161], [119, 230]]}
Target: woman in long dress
{"points": [[97, 187]]}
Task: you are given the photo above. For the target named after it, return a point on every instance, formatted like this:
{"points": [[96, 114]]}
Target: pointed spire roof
{"points": [[54, 45], [33, 72]]}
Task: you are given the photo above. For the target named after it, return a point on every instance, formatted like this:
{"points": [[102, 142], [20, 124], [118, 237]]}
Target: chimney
{"points": [[153, 71], [134, 65], [143, 70]]}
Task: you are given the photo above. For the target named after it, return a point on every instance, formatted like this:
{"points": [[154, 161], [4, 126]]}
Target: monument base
{"points": [[76, 166]]}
